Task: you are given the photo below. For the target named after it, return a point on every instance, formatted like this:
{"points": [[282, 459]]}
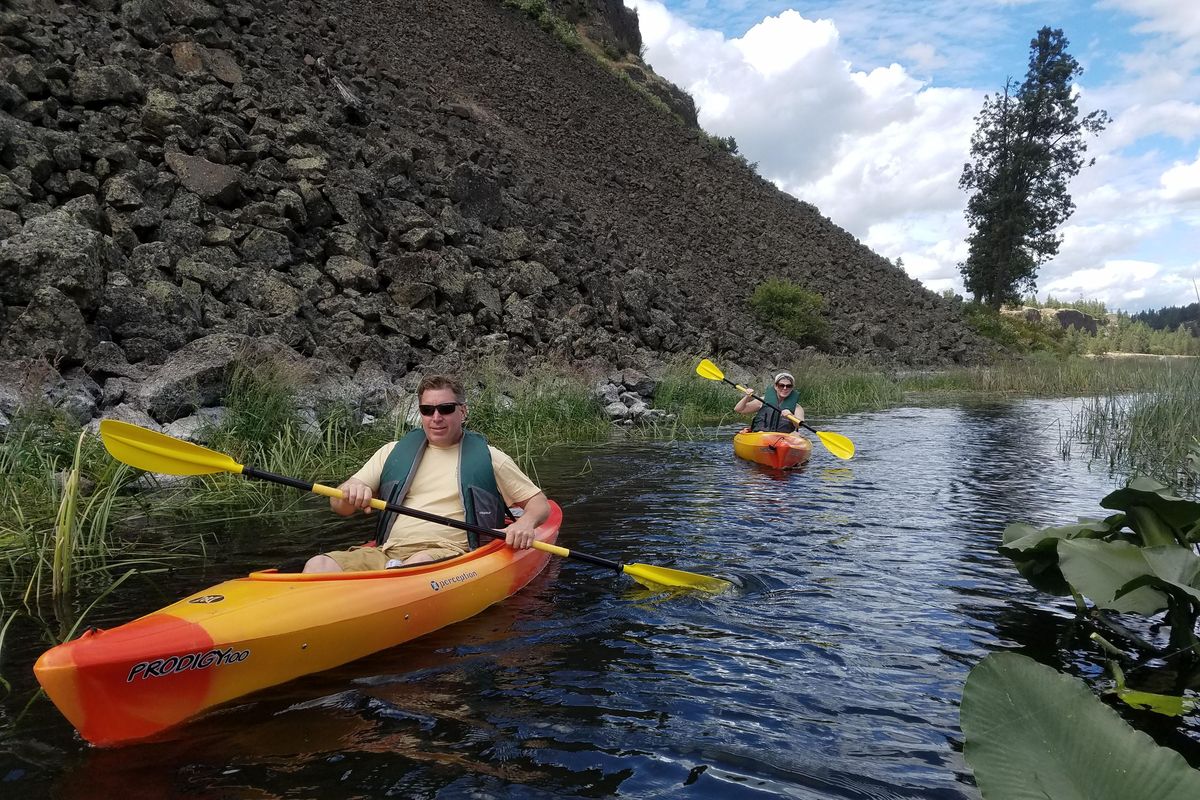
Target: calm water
{"points": [[868, 590]]}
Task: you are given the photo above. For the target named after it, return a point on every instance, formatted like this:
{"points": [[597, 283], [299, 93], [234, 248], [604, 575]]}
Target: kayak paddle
{"points": [[156, 452], [837, 444]]}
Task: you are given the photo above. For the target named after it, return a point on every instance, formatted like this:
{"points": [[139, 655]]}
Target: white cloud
{"points": [[777, 44], [859, 144], [1176, 19], [924, 57], [907, 167], [1128, 284], [1114, 282], [880, 150], [1181, 183]]}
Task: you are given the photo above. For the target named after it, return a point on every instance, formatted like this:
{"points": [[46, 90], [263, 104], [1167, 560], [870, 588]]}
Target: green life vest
{"points": [[768, 419], [477, 488]]}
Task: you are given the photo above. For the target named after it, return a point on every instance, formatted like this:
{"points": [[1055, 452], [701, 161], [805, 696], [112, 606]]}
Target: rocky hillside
{"points": [[385, 187]]}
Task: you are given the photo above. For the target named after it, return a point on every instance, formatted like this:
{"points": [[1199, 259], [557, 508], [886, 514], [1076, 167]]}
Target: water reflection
{"points": [[865, 591]]}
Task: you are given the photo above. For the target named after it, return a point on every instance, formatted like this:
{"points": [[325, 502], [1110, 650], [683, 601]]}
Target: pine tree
{"points": [[1028, 144]]}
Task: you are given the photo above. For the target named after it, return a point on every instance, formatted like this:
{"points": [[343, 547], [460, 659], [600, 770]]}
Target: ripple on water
{"points": [[863, 593]]}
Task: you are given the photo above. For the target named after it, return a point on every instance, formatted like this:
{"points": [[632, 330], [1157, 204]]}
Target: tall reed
{"points": [[55, 534], [64, 529], [1153, 432], [525, 415], [1046, 375]]}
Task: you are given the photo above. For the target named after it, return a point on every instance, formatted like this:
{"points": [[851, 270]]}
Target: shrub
{"points": [[1017, 333], [548, 20], [793, 311]]}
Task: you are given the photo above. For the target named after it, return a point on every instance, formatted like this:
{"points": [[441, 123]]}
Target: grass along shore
{"points": [[70, 514]]}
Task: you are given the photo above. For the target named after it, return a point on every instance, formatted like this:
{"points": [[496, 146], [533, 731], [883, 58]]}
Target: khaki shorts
{"points": [[359, 559]]}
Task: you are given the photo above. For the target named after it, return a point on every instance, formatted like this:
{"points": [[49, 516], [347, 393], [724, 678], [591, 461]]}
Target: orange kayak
{"points": [[133, 681], [778, 450]]}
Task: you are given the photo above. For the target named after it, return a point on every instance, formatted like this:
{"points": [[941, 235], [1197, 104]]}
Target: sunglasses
{"points": [[445, 409], [784, 385]]}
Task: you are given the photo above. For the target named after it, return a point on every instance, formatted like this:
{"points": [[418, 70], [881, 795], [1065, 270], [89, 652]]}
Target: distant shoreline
{"points": [[1136, 355]]}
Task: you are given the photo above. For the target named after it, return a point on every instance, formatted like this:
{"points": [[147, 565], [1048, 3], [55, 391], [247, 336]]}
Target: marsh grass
{"points": [[1152, 432], [58, 493], [526, 415], [827, 389], [64, 529], [1045, 376], [692, 399], [70, 515]]}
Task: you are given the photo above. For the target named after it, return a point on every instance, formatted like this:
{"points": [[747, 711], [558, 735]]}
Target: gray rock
{"points": [[1070, 318], [193, 377], [92, 85], [617, 411], [193, 427], [50, 327], [55, 250], [120, 191], [351, 274], [213, 182], [133, 415], [223, 66]]}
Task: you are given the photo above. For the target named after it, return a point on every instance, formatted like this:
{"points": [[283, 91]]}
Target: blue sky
{"points": [[866, 108]]}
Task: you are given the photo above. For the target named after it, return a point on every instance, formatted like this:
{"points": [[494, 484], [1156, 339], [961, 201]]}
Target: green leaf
{"points": [[1173, 569], [1178, 566], [1181, 516], [1100, 571], [1165, 704], [1033, 733], [1020, 537], [1035, 550]]}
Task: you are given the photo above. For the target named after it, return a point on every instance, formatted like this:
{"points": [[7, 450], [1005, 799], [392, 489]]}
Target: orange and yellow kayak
{"points": [[778, 450], [133, 681]]}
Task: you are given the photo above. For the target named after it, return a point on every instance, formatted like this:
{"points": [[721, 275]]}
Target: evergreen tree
{"points": [[1170, 317], [1028, 144]]}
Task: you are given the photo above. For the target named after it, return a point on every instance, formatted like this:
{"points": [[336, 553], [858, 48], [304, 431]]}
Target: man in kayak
{"points": [[780, 394], [440, 469]]}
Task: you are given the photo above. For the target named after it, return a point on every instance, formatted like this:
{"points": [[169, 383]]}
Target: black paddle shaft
{"points": [[307, 486], [263, 475]]}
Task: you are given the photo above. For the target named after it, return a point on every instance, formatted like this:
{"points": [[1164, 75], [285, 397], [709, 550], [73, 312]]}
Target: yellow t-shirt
{"points": [[434, 489]]}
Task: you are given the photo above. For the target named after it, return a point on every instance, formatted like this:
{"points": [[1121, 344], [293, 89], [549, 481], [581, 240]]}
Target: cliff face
{"points": [[399, 184]]}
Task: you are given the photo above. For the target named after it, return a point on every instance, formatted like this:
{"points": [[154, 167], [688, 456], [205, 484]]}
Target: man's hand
{"points": [[356, 496], [519, 535]]}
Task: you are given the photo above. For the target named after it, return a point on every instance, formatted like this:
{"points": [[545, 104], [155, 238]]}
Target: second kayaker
{"points": [[780, 393], [441, 469]]}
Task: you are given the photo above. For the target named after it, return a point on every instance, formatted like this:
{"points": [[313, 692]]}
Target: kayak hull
{"points": [[136, 680], [778, 450]]}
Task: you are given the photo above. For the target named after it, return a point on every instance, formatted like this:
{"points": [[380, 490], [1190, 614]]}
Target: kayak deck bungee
{"points": [[778, 450], [136, 680]]}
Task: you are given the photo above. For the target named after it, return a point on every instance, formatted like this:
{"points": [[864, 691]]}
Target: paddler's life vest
{"points": [[768, 419], [477, 488]]}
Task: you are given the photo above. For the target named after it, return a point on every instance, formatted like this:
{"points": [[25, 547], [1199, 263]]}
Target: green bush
{"points": [[1018, 333], [793, 311], [548, 20]]}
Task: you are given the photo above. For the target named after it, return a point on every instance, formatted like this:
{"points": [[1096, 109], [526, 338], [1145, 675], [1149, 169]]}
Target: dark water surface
{"points": [[868, 589]]}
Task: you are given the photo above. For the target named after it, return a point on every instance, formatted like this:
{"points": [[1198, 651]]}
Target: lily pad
{"points": [[1033, 733], [1182, 516], [1100, 571]]}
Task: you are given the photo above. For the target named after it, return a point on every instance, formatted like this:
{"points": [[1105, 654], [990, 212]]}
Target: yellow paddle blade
{"points": [[157, 452], [839, 445], [707, 369], [658, 577]]}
